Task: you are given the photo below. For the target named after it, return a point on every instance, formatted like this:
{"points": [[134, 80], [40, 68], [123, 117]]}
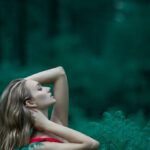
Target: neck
{"points": [[41, 133], [45, 112]]}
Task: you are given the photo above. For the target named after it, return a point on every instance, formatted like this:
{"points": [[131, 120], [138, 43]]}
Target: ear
{"points": [[31, 104]]}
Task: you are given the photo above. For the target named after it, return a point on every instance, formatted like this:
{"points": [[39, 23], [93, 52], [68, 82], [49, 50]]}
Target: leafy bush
{"points": [[115, 131]]}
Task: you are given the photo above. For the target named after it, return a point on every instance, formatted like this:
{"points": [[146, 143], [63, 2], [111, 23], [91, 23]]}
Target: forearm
{"points": [[64, 146], [47, 76], [70, 135]]}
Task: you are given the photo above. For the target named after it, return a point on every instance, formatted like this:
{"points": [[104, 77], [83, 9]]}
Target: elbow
{"points": [[97, 145], [61, 70], [94, 145]]}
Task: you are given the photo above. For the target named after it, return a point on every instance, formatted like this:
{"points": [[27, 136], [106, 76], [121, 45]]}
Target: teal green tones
{"points": [[103, 46], [29, 147]]}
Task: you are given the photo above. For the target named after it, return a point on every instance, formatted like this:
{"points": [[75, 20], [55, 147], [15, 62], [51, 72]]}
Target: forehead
{"points": [[31, 84]]}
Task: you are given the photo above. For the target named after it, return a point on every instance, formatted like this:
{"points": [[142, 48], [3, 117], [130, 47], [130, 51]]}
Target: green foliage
{"points": [[29, 147], [114, 130], [103, 46]]}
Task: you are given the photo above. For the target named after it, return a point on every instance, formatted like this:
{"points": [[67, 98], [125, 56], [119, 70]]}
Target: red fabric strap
{"points": [[41, 139]]}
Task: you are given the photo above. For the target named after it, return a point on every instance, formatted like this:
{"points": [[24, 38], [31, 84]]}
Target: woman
{"points": [[24, 106]]}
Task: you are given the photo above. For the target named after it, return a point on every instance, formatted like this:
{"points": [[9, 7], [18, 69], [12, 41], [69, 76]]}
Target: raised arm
{"points": [[61, 94], [58, 77]]}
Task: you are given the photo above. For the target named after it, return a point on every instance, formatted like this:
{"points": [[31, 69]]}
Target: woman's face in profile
{"points": [[41, 95]]}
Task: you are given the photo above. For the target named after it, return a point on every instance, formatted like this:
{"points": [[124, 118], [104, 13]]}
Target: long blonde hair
{"points": [[15, 117]]}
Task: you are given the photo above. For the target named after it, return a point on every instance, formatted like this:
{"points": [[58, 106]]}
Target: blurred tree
{"points": [[1, 39], [53, 17], [103, 44], [20, 34]]}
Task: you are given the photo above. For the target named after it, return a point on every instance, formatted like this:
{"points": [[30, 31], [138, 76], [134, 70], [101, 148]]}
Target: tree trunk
{"points": [[1, 41], [53, 17], [20, 36]]}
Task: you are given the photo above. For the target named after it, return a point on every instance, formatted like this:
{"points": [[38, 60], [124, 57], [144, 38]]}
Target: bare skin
{"points": [[57, 125]]}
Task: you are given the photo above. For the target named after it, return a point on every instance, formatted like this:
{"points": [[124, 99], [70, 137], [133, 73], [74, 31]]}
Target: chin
{"points": [[52, 101]]}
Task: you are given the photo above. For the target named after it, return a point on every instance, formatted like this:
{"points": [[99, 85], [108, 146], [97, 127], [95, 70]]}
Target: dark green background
{"points": [[103, 45]]}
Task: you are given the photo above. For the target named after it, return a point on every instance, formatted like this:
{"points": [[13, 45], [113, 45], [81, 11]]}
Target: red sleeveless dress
{"points": [[42, 139]]}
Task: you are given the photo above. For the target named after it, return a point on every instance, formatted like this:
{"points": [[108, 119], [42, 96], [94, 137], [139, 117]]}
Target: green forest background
{"points": [[103, 46]]}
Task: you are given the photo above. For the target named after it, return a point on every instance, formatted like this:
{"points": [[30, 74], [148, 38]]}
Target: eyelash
{"points": [[39, 88]]}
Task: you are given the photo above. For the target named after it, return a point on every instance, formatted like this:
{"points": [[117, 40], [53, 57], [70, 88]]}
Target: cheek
{"points": [[42, 100], [41, 96]]}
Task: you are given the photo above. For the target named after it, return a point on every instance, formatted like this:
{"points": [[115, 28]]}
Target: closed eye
{"points": [[39, 87]]}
